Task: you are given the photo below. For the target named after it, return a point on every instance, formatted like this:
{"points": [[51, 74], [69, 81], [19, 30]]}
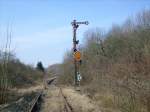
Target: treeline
{"points": [[15, 74], [116, 62]]}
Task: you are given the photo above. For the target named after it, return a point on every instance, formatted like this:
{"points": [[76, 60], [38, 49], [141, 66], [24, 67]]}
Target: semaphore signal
{"points": [[77, 54]]}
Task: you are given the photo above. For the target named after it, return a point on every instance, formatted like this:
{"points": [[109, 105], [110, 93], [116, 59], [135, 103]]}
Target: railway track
{"points": [[67, 105], [35, 103], [28, 103]]}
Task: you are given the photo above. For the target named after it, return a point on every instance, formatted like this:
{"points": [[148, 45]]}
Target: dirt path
{"points": [[66, 99]]}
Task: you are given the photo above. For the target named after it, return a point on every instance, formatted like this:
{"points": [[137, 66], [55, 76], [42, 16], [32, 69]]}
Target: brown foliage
{"points": [[118, 61]]}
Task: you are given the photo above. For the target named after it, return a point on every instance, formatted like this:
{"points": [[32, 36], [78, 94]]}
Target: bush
{"points": [[119, 63]]}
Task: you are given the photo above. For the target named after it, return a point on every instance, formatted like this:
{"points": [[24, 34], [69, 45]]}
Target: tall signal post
{"points": [[75, 25]]}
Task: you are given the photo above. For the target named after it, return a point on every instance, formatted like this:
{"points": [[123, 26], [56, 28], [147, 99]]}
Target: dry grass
{"points": [[53, 101], [80, 102], [112, 103], [106, 102], [27, 90]]}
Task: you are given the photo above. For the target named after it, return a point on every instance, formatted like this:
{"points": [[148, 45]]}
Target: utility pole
{"points": [[75, 25]]}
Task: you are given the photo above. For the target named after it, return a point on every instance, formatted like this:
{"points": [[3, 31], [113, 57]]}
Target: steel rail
{"points": [[35, 101], [67, 104]]}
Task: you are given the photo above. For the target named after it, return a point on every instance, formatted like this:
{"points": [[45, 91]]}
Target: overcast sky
{"points": [[41, 29]]}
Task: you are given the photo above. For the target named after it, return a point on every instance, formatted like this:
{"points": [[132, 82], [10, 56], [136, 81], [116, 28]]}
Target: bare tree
{"points": [[4, 78]]}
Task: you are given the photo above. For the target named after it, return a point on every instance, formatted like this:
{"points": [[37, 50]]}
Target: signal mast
{"points": [[77, 54]]}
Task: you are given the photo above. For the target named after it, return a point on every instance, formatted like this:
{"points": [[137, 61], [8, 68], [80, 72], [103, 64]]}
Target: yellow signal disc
{"points": [[77, 56]]}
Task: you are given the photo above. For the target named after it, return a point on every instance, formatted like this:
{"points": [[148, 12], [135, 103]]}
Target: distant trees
{"points": [[40, 67], [16, 75], [13, 73], [117, 61], [67, 68]]}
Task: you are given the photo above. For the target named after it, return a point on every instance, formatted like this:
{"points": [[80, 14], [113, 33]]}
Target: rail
{"points": [[28, 103]]}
